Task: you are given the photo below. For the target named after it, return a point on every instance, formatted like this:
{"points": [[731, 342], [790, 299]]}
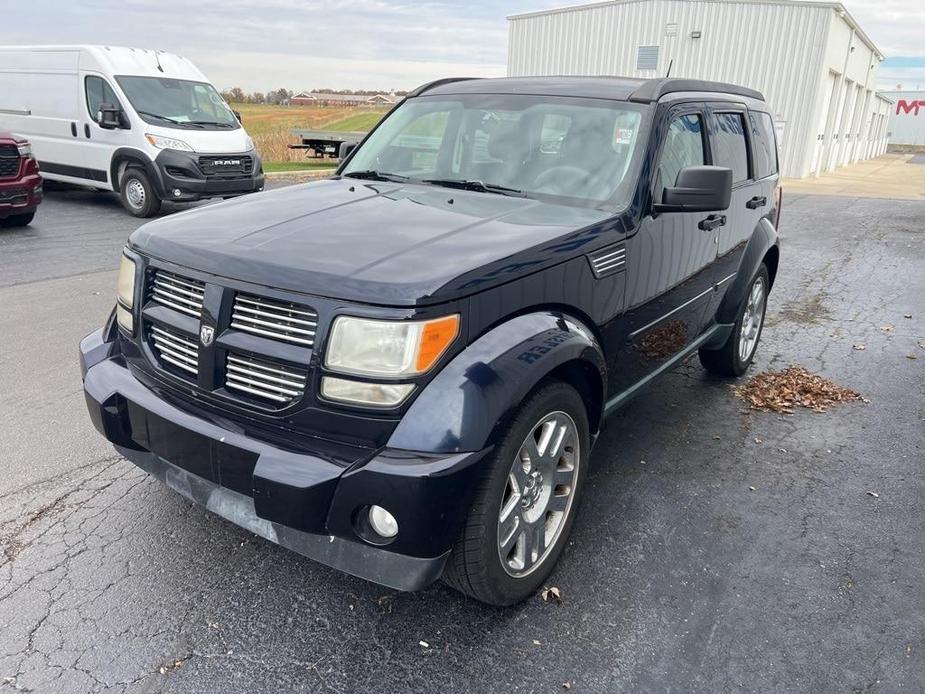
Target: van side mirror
{"points": [[346, 149], [698, 189], [109, 117], [237, 114]]}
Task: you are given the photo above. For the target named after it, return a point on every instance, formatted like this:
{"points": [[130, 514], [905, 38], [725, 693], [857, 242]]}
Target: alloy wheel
{"points": [[752, 319]]}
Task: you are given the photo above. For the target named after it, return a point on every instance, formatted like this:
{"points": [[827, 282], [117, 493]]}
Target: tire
{"points": [[137, 194], [736, 355], [479, 566], [19, 220]]}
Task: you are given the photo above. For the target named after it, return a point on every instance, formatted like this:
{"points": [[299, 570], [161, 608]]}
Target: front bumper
{"points": [[179, 171], [307, 502], [20, 196]]}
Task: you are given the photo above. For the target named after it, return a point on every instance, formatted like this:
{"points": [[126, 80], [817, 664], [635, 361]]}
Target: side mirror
{"points": [[237, 114], [346, 149], [109, 117], [698, 189]]}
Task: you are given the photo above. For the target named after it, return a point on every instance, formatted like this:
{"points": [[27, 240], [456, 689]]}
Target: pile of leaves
{"points": [[782, 391]]}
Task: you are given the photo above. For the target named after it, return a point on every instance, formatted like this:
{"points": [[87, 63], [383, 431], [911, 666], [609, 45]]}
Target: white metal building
{"points": [[907, 120], [815, 66]]}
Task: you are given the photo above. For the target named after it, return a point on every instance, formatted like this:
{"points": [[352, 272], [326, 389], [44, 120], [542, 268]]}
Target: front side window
{"points": [[730, 148], [98, 93], [178, 103], [683, 147], [573, 151], [765, 141]]}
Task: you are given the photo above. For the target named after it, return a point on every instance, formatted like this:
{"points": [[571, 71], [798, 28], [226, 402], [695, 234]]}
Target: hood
{"points": [[377, 243], [206, 141]]}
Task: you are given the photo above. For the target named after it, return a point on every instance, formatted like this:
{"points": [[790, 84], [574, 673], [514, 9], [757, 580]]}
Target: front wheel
{"points": [[526, 502], [734, 357], [138, 195]]}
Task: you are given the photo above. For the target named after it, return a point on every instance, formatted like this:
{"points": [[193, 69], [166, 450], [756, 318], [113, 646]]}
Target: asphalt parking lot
{"points": [[716, 549]]}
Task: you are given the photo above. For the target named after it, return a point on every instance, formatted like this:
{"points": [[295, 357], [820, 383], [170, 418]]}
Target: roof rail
{"points": [[653, 90], [437, 83]]}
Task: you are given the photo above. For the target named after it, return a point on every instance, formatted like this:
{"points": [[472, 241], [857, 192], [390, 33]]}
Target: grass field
{"points": [[270, 125]]}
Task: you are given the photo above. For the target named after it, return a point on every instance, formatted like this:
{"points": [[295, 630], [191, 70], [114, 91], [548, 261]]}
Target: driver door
{"points": [[669, 262], [99, 144]]}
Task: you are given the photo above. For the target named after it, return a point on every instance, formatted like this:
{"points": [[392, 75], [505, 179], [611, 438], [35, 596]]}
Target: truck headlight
{"points": [[25, 151], [388, 349], [126, 294], [162, 142]]}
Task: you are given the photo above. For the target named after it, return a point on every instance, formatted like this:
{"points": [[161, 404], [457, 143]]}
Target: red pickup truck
{"points": [[20, 181]]}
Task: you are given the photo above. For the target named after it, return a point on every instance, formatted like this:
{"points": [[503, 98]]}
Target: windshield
{"points": [[178, 103], [575, 151]]}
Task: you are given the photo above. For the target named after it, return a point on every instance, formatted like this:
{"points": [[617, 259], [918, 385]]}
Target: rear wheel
{"points": [[19, 220], [137, 193], [734, 357], [526, 502]]}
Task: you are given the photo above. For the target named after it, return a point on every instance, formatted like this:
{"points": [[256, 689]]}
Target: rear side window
{"points": [[729, 146], [683, 148], [99, 92], [765, 144]]}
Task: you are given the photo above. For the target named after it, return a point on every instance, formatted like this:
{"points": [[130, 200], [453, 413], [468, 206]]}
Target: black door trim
{"points": [[74, 171]]}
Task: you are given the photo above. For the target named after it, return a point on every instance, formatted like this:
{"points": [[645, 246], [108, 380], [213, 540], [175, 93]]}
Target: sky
{"points": [[362, 44]]}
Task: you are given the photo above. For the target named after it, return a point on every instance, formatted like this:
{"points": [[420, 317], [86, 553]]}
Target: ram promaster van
{"points": [[146, 124], [401, 371]]}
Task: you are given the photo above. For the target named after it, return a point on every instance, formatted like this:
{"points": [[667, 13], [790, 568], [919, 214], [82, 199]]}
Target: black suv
{"points": [[401, 371]]}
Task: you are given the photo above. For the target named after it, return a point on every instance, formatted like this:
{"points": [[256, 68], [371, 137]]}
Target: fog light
{"points": [[177, 192], [383, 522]]}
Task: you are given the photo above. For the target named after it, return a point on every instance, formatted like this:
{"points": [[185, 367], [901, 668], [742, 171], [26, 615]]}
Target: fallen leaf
{"points": [[873, 494], [551, 594], [752, 489], [566, 685], [859, 347], [757, 440], [536, 643], [423, 644], [783, 391], [907, 315], [888, 328], [912, 355]]}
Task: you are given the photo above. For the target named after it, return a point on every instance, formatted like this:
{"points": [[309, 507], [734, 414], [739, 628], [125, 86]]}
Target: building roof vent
{"points": [[647, 58]]}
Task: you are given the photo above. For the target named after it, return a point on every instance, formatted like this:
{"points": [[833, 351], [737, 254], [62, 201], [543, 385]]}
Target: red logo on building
{"points": [[907, 107]]}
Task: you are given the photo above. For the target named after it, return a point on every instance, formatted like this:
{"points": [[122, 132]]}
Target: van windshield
{"points": [[178, 103], [576, 151]]}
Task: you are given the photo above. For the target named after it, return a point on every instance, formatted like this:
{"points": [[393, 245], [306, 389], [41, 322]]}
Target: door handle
{"points": [[87, 131], [756, 202], [74, 129], [712, 222]]}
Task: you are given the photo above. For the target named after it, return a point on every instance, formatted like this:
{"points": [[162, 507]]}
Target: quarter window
{"points": [[99, 92], [729, 146], [765, 144], [683, 148]]}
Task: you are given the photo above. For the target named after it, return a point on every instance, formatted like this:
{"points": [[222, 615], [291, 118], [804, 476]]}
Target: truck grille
{"points": [[9, 161], [179, 293], [278, 320], [227, 165], [176, 349], [265, 379]]}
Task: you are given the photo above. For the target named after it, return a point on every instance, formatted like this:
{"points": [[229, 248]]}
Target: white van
{"points": [[144, 123]]}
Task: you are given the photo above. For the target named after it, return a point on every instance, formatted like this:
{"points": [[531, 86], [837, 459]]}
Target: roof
{"points": [[834, 6], [119, 60], [603, 87]]}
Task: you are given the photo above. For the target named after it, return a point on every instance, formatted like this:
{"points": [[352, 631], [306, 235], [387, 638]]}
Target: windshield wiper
{"points": [[211, 122], [479, 186], [156, 115], [373, 175]]}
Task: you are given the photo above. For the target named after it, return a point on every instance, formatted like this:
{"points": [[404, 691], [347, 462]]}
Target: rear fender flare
{"points": [[762, 240], [465, 405]]}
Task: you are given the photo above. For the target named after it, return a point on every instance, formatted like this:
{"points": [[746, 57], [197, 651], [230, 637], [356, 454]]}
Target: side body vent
{"points": [[608, 261]]}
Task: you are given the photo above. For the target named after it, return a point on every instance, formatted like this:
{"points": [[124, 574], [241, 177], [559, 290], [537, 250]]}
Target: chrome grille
{"points": [[176, 349], [279, 320], [178, 293], [265, 379], [608, 261]]}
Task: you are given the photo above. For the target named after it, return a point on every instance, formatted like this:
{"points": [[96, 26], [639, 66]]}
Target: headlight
{"points": [[248, 143], [126, 293], [365, 347], [162, 142], [25, 150], [363, 393]]}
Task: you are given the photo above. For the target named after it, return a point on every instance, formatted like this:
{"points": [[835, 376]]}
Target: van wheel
{"points": [[526, 502], [137, 193], [734, 357], [19, 220]]}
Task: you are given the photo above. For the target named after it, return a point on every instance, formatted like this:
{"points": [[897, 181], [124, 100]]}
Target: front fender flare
{"points": [[462, 408]]}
